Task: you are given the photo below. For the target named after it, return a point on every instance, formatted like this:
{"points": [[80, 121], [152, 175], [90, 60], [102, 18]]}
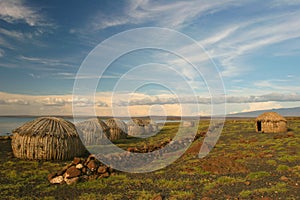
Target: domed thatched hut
{"points": [[136, 127], [154, 126], [188, 124], [118, 129], [47, 138], [93, 131], [271, 122]]}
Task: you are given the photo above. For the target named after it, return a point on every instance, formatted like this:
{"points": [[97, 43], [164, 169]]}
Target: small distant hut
{"points": [[271, 122], [93, 131], [47, 138], [117, 128], [154, 126], [136, 127], [188, 123]]}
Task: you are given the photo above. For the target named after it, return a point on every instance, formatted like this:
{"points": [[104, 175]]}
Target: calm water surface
{"points": [[7, 124]]}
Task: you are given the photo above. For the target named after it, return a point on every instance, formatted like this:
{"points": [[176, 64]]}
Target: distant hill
{"points": [[291, 112]]}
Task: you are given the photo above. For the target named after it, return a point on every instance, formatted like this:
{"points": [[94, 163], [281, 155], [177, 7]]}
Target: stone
{"points": [[71, 181], [206, 198], [130, 149], [76, 160], [51, 176], [88, 172], [110, 170], [93, 177], [247, 183], [92, 165], [57, 180], [62, 171], [85, 177], [158, 197], [269, 155], [290, 134], [105, 175], [72, 172], [91, 157], [102, 169], [284, 178], [79, 166], [84, 170]]}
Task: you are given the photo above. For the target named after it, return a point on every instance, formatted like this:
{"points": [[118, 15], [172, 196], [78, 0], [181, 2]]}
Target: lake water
{"points": [[7, 124]]}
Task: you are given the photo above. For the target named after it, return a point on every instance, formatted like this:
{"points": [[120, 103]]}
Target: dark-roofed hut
{"points": [[47, 138], [92, 131], [117, 128], [271, 122]]}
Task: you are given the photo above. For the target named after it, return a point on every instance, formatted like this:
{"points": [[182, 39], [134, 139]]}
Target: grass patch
{"points": [[144, 194], [288, 158], [245, 193], [271, 162], [181, 195], [224, 180], [254, 176], [12, 174], [92, 184], [209, 186], [278, 188], [282, 168], [88, 196]]}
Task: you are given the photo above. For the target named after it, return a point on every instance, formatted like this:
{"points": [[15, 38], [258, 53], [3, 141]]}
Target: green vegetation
{"points": [[253, 176], [282, 168], [243, 164], [245, 193], [271, 162]]}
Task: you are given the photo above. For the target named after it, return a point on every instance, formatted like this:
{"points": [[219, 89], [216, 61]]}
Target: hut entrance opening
{"points": [[259, 126]]}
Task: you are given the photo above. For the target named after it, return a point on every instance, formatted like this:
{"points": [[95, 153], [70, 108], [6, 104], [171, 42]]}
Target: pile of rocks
{"points": [[80, 169], [176, 144], [146, 154]]}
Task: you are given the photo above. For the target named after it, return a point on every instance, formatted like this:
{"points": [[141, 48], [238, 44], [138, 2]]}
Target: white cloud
{"points": [[172, 99], [245, 38], [14, 11], [278, 85], [262, 106], [13, 34], [173, 15], [2, 53], [280, 3], [52, 101], [4, 43], [139, 104], [14, 102], [44, 61]]}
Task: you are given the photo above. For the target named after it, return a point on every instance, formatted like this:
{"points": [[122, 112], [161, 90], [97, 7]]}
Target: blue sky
{"points": [[255, 46]]}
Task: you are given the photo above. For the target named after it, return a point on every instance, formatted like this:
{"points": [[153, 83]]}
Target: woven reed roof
{"points": [[116, 123], [270, 116], [48, 126], [92, 125], [137, 122]]}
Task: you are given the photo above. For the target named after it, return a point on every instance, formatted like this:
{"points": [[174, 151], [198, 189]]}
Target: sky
{"points": [[253, 47]]}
